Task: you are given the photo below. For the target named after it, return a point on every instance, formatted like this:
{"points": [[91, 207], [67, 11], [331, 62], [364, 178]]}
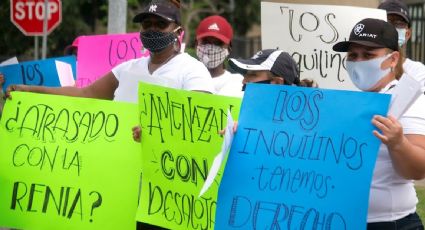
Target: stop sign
{"points": [[28, 15]]}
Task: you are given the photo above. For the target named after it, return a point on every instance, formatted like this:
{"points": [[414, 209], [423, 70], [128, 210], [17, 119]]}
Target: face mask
{"points": [[156, 41], [261, 82], [366, 74], [401, 36], [211, 55]]}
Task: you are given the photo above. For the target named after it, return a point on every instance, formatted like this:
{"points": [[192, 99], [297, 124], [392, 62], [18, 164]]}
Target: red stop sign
{"points": [[28, 15]]}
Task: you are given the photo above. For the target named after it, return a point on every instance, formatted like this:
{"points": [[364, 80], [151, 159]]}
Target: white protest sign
{"points": [[404, 95], [308, 32], [10, 61], [66, 77]]}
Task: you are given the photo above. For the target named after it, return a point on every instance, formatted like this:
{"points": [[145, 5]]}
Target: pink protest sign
{"points": [[98, 54]]}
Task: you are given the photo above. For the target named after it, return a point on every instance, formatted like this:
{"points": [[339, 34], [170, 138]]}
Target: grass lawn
{"points": [[421, 205]]}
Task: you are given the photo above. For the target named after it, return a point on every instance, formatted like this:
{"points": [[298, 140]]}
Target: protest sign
{"points": [[302, 158], [68, 163], [179, 142], [98, 54], [42, 72], [308, 32], [10, 61]]}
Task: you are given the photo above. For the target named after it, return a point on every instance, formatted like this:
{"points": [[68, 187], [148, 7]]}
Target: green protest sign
{"points": [[179, 142], [68, 163]]}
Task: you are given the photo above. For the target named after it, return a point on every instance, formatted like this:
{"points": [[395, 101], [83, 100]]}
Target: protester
{"points": [[270, 66], [160, 26], [166, 66], [372, 58], [213, 45], [398, 16]]}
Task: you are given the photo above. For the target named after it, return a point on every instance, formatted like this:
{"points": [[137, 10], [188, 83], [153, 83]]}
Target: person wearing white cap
{"points": [[270, 66], [213, 45], [373, 58], [398, 16]]}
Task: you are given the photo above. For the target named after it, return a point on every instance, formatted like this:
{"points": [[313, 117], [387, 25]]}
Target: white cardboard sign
{"points": [[308, 32]]}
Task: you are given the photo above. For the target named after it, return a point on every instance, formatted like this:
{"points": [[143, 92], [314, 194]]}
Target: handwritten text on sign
{"points": [[60, 168], [179, 142], [42, 72], [308, 33], [292, 156], [98, 54]]}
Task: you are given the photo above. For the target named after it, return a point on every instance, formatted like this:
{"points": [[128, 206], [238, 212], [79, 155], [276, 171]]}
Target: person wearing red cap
{"points": [[372, 59], [213, 44], [398, 16]]}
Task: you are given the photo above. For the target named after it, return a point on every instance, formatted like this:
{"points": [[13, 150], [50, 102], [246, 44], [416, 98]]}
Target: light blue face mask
{"points": [[366, 74], [401, 36]]}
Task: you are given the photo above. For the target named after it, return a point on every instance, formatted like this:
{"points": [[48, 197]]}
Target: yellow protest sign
{"points": [[179, 142], [68, 163]]}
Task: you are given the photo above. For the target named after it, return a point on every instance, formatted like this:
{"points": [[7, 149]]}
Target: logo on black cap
{"points": [[152, 8], [358, 29]]}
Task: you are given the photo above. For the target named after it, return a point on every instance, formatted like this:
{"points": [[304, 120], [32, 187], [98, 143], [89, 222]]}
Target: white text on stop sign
{"points": [[34, 9]]}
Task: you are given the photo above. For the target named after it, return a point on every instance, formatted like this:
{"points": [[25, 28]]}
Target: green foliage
{"points": [[75, 21], [242, 18], [12, 41], [85, 17], [78, 17], [241, 14], [420, 208]]}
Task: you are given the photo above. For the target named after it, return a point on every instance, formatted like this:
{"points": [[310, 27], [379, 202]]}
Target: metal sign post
{"points": [[44, 46]]}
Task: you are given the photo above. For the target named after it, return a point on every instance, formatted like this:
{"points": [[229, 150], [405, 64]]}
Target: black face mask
{"points": [[261, 82], [156, 41]]}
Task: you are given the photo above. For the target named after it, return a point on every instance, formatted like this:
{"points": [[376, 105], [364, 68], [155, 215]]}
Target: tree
{"points": [[85, 17], [241, 18], [79, 17]]}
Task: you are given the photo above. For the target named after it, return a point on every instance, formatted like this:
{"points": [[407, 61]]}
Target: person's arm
{"points": [[407, 151], [103, 88]]}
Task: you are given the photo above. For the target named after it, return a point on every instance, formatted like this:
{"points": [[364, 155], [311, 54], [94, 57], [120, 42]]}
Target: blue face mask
{"points": [[366, 74], [401, 36]]}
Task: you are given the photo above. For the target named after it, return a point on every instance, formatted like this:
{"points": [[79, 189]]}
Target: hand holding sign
{"points": [[291, 157]]}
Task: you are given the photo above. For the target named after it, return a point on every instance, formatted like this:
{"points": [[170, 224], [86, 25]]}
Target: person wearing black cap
{"points": [[166, 66], [270, 66], [398, 16], [372, 57]]}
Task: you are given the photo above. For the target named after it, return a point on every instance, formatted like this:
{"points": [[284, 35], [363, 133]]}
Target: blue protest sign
{"points": [[41, 72], [302, 158]]}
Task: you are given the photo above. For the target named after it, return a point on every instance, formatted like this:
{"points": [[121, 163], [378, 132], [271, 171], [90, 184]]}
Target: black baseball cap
{"points": [[396, 7], [278, 62], [162, 8], [371, 32]]}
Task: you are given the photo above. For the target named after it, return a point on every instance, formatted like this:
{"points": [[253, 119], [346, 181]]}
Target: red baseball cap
{"points": [[215, 26]]}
